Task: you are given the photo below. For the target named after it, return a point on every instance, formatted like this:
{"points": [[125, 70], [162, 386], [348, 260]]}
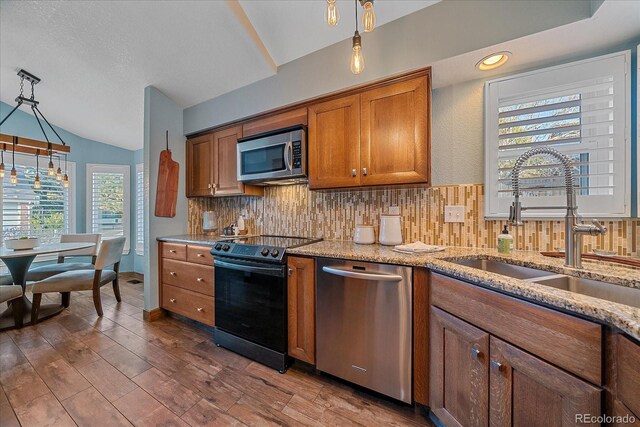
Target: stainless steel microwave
{"points": [[274, 157]]}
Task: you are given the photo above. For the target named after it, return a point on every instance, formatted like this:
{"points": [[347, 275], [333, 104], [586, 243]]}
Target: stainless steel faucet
{"points": [[573, 228]]}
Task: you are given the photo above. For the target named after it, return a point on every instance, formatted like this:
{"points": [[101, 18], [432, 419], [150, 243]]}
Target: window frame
{"points": [[126, 215], [139, 206], [491, 106]]}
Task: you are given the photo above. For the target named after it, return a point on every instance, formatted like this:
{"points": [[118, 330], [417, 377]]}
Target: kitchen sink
{"points": [[593, 288], [503, 268]]}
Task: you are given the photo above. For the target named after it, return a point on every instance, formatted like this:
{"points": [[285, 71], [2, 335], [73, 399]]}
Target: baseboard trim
{"points": [[153, 315]]}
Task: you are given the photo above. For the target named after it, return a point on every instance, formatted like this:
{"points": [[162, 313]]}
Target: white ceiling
{"points": [[95, 58]]}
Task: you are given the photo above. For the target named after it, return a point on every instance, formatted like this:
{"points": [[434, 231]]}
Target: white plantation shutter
{"points": [[582, 110], [140, 209], [108, 199], [46, 213]]}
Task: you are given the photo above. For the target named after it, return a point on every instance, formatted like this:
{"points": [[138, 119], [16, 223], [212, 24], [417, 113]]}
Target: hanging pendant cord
{"points": [[355, 3]]}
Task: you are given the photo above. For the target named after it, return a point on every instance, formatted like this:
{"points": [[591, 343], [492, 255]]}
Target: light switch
{"points": [[454, 214], [394, 210]]}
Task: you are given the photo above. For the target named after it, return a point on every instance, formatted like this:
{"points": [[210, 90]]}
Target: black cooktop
{"points": [[260, 248]]}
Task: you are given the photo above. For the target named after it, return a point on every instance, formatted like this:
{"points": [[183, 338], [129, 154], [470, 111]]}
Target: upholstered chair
{"points": [[6, 279], [40, 273], [13, 293], [109, 255]]}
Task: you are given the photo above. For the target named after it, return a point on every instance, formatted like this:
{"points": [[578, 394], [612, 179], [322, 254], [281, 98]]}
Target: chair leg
{"points": [[35, 308], [96, 301], [17, 306], [116, 290], [66, 299]]}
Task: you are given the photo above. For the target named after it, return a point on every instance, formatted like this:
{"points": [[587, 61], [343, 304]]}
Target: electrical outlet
{"points": [[454, 214], [394, 210]]}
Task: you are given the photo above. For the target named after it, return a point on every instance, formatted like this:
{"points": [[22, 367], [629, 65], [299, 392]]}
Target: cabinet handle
{"points": [[200, 309], [173, 273], [364, 171], [208, 185], [496, 365], [199, 279], [173, 300], [173, 251], [354, 172], [290, 271], [214, 186], [200, 255], [475, 353]]}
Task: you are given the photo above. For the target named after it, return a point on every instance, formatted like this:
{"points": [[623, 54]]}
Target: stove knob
{"points": [[218, 246], [226, 248], [264, 252], [275, 253]]}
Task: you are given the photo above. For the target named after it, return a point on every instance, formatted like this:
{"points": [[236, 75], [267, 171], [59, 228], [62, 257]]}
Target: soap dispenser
{"points": [[505, 242]]}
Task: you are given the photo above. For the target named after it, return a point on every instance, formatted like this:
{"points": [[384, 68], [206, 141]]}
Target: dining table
{"points": [[18, 263]]}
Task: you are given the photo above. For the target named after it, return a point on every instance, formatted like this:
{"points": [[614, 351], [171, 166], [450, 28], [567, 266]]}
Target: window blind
{"points": [[139, 209], [581, 110]]}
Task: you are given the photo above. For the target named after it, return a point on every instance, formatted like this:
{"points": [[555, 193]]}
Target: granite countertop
{"points": [[199, 239], [624, 317]]}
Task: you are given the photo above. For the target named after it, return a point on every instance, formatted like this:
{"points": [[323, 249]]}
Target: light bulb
{"points": [[357, 60], [14, 176], [36, 183], [52, 170], [331, 14], [59, 175], [369, 17], [66, 181], [2, 170]]}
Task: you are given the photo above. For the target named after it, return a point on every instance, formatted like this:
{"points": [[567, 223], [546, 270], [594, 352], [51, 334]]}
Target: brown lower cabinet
{"points": [[302, 309], [186, 277]]}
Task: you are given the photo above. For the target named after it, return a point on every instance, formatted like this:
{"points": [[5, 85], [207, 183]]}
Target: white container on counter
{"points": [[390, 230], [364, 235]]}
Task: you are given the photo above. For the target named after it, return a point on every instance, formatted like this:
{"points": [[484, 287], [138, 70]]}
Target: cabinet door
{"points": [[628, 375], [200, 166], [459, 373], [302, 309], [527, 391], [334, 143], [394, 135], [225, 161]]}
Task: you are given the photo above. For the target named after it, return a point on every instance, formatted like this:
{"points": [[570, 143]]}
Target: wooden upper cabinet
{"points": [[302, 309], [394, 134], [199, 166], [527, 391], [275, 122], [334, 143], [225, 158]]}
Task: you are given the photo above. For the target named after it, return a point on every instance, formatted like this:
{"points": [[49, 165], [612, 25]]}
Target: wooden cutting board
{"points": [[167, 191]]}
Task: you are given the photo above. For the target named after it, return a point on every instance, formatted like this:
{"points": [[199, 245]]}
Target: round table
{"points": [[18, 263]]}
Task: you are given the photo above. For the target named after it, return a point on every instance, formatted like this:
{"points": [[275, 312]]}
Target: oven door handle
{"points": [[273, 271], [377, 277]]}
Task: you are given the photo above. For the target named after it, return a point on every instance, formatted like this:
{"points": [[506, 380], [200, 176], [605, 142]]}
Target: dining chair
{"points": [[6, 279], [109, 255], [13, 293], [40, 273]]}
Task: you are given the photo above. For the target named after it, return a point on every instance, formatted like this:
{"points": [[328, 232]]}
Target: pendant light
{"points": [[59, 171], [66, 177], [357, 59], [4, 148], [14, 175], [369, 16], [331, 14], [52, 170], [36, 182]]}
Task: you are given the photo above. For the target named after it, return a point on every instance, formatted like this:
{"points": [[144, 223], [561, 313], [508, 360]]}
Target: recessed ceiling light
{"points": [[492, 61]]}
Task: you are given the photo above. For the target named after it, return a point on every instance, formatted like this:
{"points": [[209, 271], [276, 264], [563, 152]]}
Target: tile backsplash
{"points": [[294, 210]]}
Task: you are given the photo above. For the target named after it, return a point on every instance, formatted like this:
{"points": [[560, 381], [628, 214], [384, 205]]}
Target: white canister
{"points": [[390, 230], [364, 235]]}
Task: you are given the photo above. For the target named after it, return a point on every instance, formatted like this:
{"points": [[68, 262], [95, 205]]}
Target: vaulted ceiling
{"points": [[96, 57]]}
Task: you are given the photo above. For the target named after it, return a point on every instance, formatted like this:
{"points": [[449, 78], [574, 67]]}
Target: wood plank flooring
{"points": [[79, 369]]}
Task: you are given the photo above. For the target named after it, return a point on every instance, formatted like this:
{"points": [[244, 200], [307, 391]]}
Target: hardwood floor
{"points": [[79, 369]]}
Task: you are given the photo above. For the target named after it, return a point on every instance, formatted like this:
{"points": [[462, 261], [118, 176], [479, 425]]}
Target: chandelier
{"points": [[32, 146], [332, 16]]}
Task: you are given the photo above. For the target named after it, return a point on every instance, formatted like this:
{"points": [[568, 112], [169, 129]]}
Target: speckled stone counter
{"points": [[198, 239], [624, 317]]}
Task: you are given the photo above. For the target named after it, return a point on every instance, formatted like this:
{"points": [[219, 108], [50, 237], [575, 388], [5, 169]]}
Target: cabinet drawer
{"points": [[199, 254], [188, 303], [566, 341], [629, 374], [186, 275], [174, 251]]}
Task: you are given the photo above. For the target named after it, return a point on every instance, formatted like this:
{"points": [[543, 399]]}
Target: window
{"points": [[140, 209], [108, 201], [46, 213], [582, 110]]}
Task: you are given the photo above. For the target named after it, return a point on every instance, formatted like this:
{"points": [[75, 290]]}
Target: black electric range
{"points": [[251, 296]]}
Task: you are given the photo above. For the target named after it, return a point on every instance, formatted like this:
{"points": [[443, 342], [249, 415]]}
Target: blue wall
{"points": [[83, 151]]}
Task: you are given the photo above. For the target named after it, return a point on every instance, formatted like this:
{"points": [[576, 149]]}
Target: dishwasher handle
{"points": [[378, 277]]}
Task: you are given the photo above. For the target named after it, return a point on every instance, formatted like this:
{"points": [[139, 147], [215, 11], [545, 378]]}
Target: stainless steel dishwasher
{"points": [[363, 324]]}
